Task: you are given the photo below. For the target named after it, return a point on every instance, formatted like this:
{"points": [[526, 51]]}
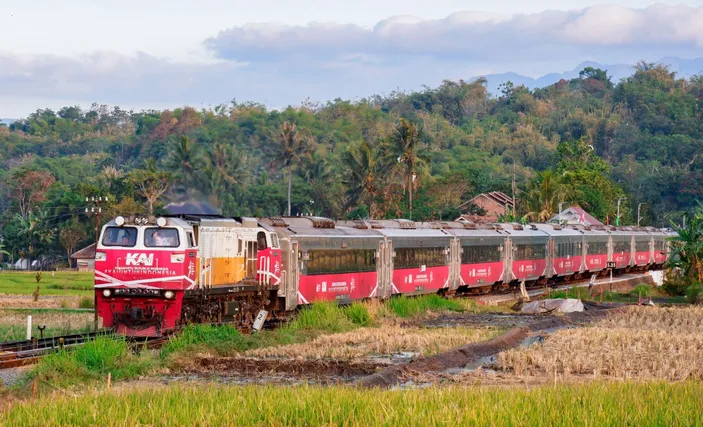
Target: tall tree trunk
{"points": [[290, 183], [410, 180]]}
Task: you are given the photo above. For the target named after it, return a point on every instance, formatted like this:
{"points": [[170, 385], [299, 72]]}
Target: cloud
{"points": [[469, 35], [278, 65]]}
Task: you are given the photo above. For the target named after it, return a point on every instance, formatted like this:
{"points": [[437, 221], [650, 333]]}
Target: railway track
{"points": [[21, 353]]}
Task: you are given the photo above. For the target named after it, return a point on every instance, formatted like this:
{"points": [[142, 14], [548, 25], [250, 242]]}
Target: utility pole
{"points": [[96, 210], [560, 204], [617, 217], [639, 207], [513, 187]]}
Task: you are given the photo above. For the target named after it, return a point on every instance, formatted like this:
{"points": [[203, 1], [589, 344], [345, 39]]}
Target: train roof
{"points": [[558, 230]]}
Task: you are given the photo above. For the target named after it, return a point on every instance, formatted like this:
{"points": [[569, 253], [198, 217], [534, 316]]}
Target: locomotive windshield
{"points": [[161, 238], [120, 236]]}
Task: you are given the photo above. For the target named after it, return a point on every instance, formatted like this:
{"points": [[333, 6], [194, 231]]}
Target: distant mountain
{"points": [[683, 67], [7, 121]]}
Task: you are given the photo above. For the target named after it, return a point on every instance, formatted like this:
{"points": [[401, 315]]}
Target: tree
{"points": [[183, 159], [687, 247], [29, 188], [361, 175], [544, 193], [70, 235], [403, 153], [150, 183], [291, 149], [225, 168], [36, 232]]}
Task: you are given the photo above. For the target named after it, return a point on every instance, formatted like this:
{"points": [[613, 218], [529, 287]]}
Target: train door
{"points": [[454, 263], [390, 253], [293, 277], [382, 272]]}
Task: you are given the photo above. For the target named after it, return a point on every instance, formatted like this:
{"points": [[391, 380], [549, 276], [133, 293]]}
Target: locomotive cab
{"points": [[142, 267]]}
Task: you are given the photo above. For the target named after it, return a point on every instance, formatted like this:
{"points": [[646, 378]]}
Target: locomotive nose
{"points": [[135, 313]]}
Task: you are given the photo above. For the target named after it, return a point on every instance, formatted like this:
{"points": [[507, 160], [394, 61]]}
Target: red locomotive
{"points": [[154, 274]]}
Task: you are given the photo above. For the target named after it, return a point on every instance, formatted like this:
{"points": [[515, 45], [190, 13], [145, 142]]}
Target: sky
{"points": [[164, 54]]}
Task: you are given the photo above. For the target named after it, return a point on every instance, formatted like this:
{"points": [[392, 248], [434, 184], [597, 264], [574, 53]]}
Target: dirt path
{"points": [[474, 353]]}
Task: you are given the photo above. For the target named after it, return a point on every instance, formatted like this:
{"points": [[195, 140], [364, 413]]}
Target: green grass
{"points": [[91, 362], [613, 404], [642, 290], [57, 322], [61, 283], [404, 306]]}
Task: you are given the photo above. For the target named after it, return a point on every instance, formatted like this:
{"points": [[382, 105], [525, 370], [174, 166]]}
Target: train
{"points": [[154, 274]]}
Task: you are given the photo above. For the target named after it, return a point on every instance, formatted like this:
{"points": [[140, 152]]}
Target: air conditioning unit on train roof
{"points": [[277, 221], [375, 224], [406, 224], [320, 222]]}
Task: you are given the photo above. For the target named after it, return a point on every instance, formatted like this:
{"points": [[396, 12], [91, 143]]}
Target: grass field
{"points": [[614, 404], [52, 283], [13, 322]]}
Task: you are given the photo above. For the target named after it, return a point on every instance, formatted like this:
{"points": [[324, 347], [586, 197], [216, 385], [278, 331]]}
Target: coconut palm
{"points": [[183, 159], [361, 174], [291, 149], [225, 167], [544, 194], [403, 154]]}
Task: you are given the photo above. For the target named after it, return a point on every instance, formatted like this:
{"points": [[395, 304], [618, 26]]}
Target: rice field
{"points": [[59, 283], [13, 322], [642, 343], [616, 404], [385, 340]]}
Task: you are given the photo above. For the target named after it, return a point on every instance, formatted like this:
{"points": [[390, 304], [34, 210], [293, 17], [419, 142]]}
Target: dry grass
{"points": [[647, 343], [386, 340], [13, 322], [26, 301]]}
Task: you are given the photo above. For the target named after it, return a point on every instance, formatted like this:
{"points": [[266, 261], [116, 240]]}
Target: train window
{"points": [[416, 257], [191, 240], [565, 249], [240, 247], [642, 246], [526, 252], [597, 248], [261, 240], [480, 254], [161, 238], [120, 236], [335, 261], [622, 246], [274, 241]]}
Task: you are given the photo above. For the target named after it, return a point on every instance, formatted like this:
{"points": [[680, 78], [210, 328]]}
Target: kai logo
{"points": [[139, 259]]}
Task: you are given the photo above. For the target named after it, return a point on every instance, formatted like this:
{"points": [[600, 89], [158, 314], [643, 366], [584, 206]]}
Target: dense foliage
{"points": [[586, 141]]}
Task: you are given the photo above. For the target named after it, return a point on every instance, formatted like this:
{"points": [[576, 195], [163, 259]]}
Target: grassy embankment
{"points": [[615, 404], [640, 291], [94, 360]]}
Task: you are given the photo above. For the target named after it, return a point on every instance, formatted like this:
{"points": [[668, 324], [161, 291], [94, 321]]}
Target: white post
{"points": [[29, 328]]}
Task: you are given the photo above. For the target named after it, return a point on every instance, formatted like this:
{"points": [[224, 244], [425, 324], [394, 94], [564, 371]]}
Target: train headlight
{"points": [[168, 294], [161, 222], [119, 221], [107, 293]]}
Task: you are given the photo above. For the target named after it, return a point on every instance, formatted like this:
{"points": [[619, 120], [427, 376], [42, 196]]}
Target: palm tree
{"points": [[544, 193], [361, 174], [291, 149], [318, 174], [225, 167], [687, 248], [403, 153], [183, 159], [34, 229]]}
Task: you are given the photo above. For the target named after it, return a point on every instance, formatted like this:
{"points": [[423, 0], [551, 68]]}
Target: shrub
{"points": [[86, 302], [643, 290], [92, 361], [221, 338], [321, 316], [694, 293], [359, 314], [403, 306]]}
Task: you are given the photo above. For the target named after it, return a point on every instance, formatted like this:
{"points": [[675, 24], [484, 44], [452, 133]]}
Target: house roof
{"points": [[576, 215], [497, 196], [86, 253]]}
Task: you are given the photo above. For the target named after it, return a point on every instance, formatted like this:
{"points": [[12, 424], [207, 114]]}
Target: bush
{"points": [[322, 316], [694, 293], [403, 306], [358, 314], [643, 290], [92, 361], [86, 302], [675, 286], [222, 339]]}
